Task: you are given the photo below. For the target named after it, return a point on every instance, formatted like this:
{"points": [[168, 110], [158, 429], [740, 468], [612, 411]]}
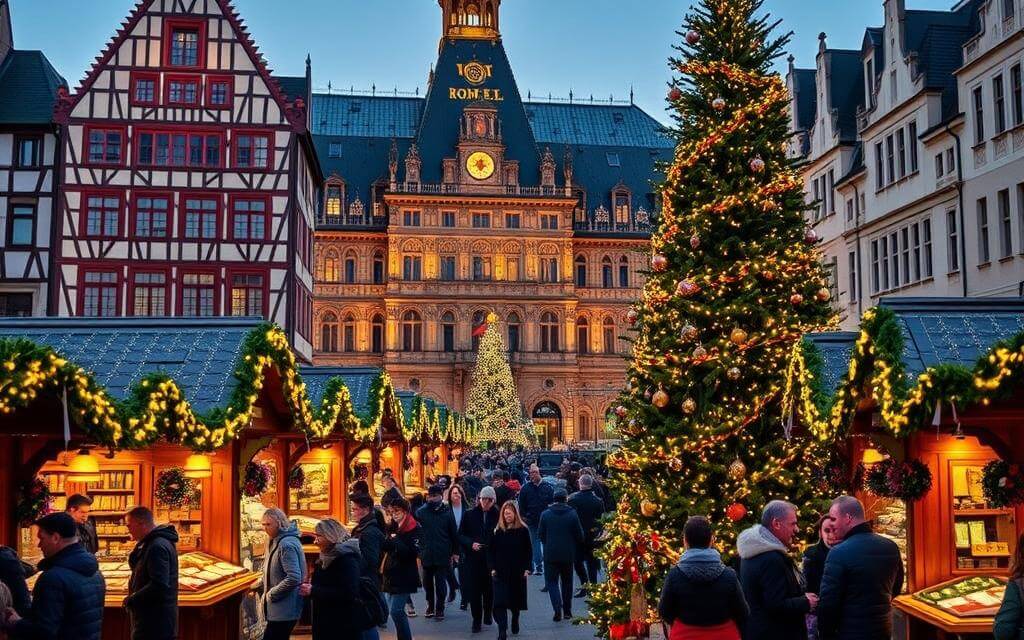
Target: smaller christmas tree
{"points": [[493, 400]]}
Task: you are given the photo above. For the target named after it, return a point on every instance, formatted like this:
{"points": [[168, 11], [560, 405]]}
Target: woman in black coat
{"points": [[401, 576], [333, 589], [475, 534], [814, 565], [510, 559]]}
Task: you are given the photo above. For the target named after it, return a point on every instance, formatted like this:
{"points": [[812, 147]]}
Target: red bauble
{"points": [[686, 288], [631, 316], [659, 263], [796, 298], [692, 37], [620, 411], [694, 241], [810, 237], [736, 511], [674, 94], [757, 165]]}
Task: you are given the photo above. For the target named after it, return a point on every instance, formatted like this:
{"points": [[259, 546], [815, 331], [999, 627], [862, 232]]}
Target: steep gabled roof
{"points": [[937, 38], [28, 88], [846, 90], [806, 93]]}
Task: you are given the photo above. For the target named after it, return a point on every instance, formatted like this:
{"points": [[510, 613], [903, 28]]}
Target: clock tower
{"points": [[470, 19], [481, 153]]}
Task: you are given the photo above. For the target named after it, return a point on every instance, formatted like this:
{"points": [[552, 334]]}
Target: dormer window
{"points": [[613, 160], [334, 197], [184, 42], [621, 204]]}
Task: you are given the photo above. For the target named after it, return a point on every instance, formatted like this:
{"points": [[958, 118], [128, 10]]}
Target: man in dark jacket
{"points": [[67, 600], [475, 533], [473, 483], [772, 584], [534, 498], [438, 540], [700, 591], [502, 492], [12, 575], [152, 601], [862, 576], [78, 507], [369, 534], [562, 537], [589, 508]]}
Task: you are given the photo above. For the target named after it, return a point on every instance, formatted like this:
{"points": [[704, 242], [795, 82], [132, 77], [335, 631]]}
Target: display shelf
{"points": [[982, 512]]}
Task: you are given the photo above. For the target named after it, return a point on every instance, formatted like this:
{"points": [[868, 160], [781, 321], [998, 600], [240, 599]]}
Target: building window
{"points": [[512, 268], [950, 160], [580, 212], [252, 151], [876, 282], [15, 305], [549, 270], [854, 283], [926, 232], [624, 272], [513, 333], [412, 268], [581, 271], [198, 295], [448, 268], [334, 150], [412, 332], [613, 159], [448, 219], [21, 225], [448, 332], [183, 92], [608, 334], [849, 210], [411, 218], [816, 184], [332, 269], [1005, 224], [831, 191], [914, 263], [620, 200], [102, 216], [106, 146], [350, 268], [151, 216], [1018, 94], [249, 219], [179, 149], [481, 220], [329, 333], [333, 197], [28, 151], [984, 253], [481, 268], [1008, 9], [185, 47], [549, 332], [869, 81], [247, 294], [348, 333], [939, 172], [912, 134], [582, 336], [606, 273], [378, 268], [999, 103], [99, 294], [952, 242], [512, 220], [149, 294], [901, 147], [879, 167], [549, 221], [894, 252], [890, 160], [200, 218], [1020, 213], [979, 116], [218, 92], [144, 89], [377, 334]]}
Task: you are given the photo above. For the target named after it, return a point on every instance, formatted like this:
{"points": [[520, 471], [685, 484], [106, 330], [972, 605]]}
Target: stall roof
{"points": [[358, 380]]}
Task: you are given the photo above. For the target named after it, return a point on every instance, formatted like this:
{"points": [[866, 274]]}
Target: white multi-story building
{"points": [[924, 201]]}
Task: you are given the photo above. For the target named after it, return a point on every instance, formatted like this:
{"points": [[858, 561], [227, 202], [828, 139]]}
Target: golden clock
{"points": [[480, 165]]}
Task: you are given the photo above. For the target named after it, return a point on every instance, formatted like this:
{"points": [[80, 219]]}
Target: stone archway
{"points": [[547, 417]]}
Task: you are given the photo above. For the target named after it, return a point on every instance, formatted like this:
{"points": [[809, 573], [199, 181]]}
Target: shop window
{"points": [[984, 535]]}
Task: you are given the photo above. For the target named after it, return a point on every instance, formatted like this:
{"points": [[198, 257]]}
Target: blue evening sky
{"points": [[598, 47]]}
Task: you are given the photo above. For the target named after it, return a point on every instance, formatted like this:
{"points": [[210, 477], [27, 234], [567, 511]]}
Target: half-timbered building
{"points": [[189, 177], [28, 150]]}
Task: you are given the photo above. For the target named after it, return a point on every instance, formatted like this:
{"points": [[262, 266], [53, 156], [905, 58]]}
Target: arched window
{"points": [[624, 272], [581, 271], [549, 333], [584, 432], [331, 268], [348, 331], [448, 332], [378, 267], [350, 267], [377, 334], [514, 332], [547, 417], [582, 336], [412, 331], [334, 200], [329, 333], [479, 317], [607, 276], [609, 335], [472, 15]]}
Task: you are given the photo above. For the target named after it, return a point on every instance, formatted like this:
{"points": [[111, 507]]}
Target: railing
{"points": [[469, 357], [481, 288], [349, 290], [613, 227], [589, 294], [443, 188], [324, 220]]}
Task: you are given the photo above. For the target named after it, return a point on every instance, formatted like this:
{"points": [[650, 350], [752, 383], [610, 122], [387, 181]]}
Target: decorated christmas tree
{"points": [[734, 282], [493, 400]]}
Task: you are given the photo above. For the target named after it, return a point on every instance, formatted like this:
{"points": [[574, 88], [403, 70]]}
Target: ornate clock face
{"points": [[480, 165]]}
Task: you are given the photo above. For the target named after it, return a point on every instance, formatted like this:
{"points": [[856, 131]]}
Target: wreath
{"points": [[908, 480], [834, 477], [257, 478], [1002, 484], [296, 478], [35, 502], [173, 488], [358, 472]]}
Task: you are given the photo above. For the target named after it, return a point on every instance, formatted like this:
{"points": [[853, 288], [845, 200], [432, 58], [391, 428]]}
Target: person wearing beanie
{"points": [[333, 589], [475, 533], [561, 536], [438, 549]]}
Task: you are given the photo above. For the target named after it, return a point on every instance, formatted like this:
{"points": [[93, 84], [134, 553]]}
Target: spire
{"points": [[470, 19]]}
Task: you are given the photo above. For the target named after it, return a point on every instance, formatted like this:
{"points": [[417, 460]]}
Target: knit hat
{"points": [[435, 490], [59, 523], [488, 492]]}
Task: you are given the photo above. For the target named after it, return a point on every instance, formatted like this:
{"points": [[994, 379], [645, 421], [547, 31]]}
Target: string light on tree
{"points": [[493, 400]]}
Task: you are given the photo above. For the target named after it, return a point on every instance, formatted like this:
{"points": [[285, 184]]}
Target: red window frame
{"points": [[140, 75], [134, 212], [235, 148], [229, 288], [183, 211], [193, 79], [118, 284], [267, 215], [130, 304], [216, 286], [87, 146], [83, 214], [188, 133], [178, 23], [208, 92]]}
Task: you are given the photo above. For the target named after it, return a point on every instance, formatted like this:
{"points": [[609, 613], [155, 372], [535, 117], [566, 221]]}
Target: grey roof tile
{"points": [[28, 88]]}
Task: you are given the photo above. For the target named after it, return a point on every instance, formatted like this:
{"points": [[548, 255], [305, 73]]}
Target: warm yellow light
{"points": [[873, 456], [198, 467], [84, 468]]}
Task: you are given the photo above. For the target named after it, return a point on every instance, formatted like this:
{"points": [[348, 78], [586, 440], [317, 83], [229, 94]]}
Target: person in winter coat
{"points": [[475, 534], [455, 498], [534, 498], [562, 537], [772, 584], [12, 575], [502, 492], [589, 508], [473, 483], [283, 572], [1010, 618], [438, 549], [391, 491], [370, 534], [333, 589], [601, 490], [152, 601], [78, 507], [702, 598], [814, 565], [401, 576], [862, 576], [509, 558], [67, 599]]}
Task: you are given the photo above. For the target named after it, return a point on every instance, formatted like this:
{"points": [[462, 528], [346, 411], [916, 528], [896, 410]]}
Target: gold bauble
{"points": [[660, 399], [675, 464], [733, 373], [699, 352], [737, 470], [689, 406], [648, 508], [738, 336]]}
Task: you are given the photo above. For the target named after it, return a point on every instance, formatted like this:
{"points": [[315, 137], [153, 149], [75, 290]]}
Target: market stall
{"points": [[925, 407]]}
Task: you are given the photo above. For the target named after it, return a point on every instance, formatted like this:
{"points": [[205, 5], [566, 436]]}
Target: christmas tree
{"points": [[734, 282], [493, 400]]}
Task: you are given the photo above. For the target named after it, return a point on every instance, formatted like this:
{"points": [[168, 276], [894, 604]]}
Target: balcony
{"points": [[469, 357], [595, 294], [481, 289], [349, 290], [445, 189], [367, 221], [636, 227]]}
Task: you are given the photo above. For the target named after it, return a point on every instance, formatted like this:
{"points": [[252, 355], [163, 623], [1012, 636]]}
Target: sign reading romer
{"points": [[475, 73]]}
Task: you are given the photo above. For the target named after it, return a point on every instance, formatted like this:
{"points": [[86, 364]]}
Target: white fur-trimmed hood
{"points": [[756, 540]]}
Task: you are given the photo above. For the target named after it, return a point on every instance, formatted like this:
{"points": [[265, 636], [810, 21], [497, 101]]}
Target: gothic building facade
{"points": [[437, 211]]}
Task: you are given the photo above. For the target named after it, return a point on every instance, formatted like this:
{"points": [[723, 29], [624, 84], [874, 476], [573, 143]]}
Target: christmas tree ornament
{"points": [[757, 164], [689, 406], [686, 288], [810, 236], [733, 373], [737, 470], [718, 104], [768, 275], [699, 352], [738, 336], [648, 394], [621, 411], [736, 511], [823, 294], [659, 263], [674, 94], [660, 399], [648, 508], [692, 37], [688, 332], [675, 464], [796, 298], [694, 241], [631, 316]]}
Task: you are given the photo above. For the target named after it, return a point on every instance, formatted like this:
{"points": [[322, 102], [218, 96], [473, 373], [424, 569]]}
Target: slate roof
{"points": [[28, 88], [366, 116], [846, 89], [596, 124], [806, 97], [199, 354], [293, 86], [935, 331], [358, 380]]}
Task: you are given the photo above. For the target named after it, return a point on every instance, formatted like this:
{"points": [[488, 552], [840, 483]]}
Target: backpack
{"points": [[372, 606]]}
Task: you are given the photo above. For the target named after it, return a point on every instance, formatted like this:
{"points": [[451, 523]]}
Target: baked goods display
{"points": [[966, 597], [196, 572]]}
